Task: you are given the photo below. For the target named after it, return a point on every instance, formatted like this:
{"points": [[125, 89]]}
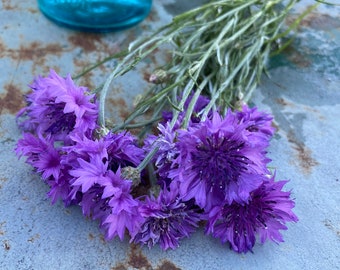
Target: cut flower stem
{"points": [[228, 42]]}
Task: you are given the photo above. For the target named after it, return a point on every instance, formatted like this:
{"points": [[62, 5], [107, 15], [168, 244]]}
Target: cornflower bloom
{"points": [[168, 219], [124, 213], [57, 107], [264, 215], [167, 152], [219, 160]]}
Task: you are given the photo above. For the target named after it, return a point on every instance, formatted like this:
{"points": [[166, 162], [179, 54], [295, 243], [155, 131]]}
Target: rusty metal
{"points": [[302, 92]]}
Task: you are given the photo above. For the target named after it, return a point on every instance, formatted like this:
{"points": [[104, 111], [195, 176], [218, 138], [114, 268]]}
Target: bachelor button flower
{"points": [[90, 160], [46, 159], [41, 154], [89, 173], [168, 219], [257, 121], [267, 211], [124, 212], [218, 161], [123, 150], [200, 104], [166, 153], [56, 106], [60, 189]]}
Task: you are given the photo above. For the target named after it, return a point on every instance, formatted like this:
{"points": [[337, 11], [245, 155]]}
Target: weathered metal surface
{"points": [[303, 93]]}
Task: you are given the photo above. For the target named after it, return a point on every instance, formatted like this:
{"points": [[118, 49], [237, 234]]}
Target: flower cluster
{"points": [[213, 172]]}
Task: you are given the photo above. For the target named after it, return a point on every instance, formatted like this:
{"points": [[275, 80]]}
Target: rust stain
{"points": [[319, 21], [93, 42], [33, 52], [91, 236], [119, 267], [33, 10], [36, 51], [2, 48], [7, 5], [6, 245], [166, 265], [296, 57], [316, 21], [146, 76], [2, 231], [137, 259], [87, 41], [3, 179], [120, 105], [153, 16], [12, 101], [102, 239], [303, 154], [328, 223], [33, 238], [284, 102]]}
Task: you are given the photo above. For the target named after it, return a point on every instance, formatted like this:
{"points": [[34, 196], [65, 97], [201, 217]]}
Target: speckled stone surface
{"points": [[302, 92]]}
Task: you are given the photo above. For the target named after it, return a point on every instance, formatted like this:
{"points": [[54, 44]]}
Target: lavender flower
{"points": [[219, 160], [265, 214], [46, 159], [124, 212], [258, 123], [168, 219], [123, 150], [96, 180], [91, 160], [58, 107], [89, 173], [166, 154], [200, 104], [41, 154]]}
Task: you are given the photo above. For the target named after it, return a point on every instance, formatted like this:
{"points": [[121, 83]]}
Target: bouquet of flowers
{"points": [[206, 164]]}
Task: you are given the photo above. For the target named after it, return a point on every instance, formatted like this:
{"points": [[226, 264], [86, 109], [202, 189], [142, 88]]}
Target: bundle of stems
{"points": [[219, 49]]}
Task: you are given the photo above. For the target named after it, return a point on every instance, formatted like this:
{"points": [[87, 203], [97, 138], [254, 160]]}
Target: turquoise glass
{"points": [[96, 15]]}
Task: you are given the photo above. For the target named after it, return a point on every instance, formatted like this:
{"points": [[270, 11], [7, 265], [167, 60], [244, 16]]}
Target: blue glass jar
{"points": [[96, 15]]}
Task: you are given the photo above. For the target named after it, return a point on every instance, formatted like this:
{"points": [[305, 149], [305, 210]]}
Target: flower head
{"points": [[56, 106], [90, 160], [167, 151], [123, 207], [265, 214], [200, 104], [40, 154], [219, 160], [258, 123], [168, 219]]}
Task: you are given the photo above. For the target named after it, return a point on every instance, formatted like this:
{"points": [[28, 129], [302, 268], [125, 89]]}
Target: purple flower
{"points": [[123, 150], [124, 212], [46, 159], [257, 121], [168, 219], [56, 106], [166, 154], [41, 154], [60, 188], [90, 160], [89, 173], [265, 214], [200, 104], [95, 168], [219, 160]]}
